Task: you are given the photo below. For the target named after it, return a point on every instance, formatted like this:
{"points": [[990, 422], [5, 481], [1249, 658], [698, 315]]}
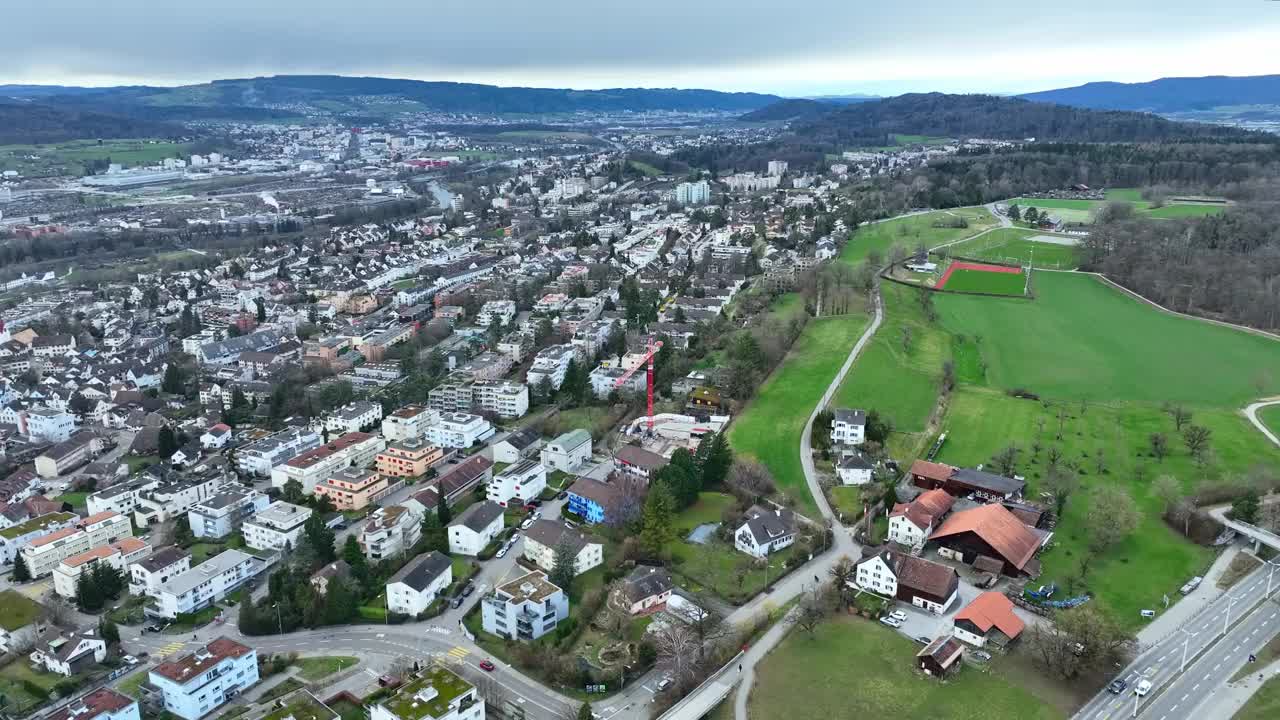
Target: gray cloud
{"points": [[792, 47]]}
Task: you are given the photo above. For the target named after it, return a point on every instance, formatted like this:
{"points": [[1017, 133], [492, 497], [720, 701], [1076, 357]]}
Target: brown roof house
{"points": [[940, 658], [923, 583], [645, 590], [911, 523], [991, 531], [989, 618]]}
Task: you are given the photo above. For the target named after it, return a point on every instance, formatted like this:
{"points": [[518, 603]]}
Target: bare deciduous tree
{"points": [[677, 647], [1077, 639], [1159, 445], [1112, 516], [1061, 483], [1197, 439]]}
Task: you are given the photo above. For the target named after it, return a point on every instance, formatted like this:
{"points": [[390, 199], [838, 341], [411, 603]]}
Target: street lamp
{"points": [[279, 622], [1226, 620], [1186, 642], [1136, 696], [1271, 575]]}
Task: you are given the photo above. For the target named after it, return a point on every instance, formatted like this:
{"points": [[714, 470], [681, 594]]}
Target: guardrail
{"points": [[682, 710]]}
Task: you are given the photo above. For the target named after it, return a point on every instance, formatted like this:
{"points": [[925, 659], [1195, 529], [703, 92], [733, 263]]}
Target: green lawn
{"points": [[721, 569], [645, 168], [769, 429], [1013, 245], [1264, 705], [132, 685], [77, 499], [317, 668], [846, 501], [19, 683], [849, 662], [1126, 194], [287, 686], [1082, 210], [913, 231], [1270, 417], [985, 281], [709, 508], [17, 610], [70, 157], [202, 551], [1082, 339], [1182, 211]]}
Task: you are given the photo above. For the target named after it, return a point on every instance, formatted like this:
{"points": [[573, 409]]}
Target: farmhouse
{"points": [[941, 657], [764, 531], [910, 523], [991, 531], [989, 618], [963, 482], [923, 583], [849, 427]]}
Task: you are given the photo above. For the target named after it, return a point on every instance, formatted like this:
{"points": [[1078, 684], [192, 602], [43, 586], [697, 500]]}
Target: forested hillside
{"points": [[33, 123]]}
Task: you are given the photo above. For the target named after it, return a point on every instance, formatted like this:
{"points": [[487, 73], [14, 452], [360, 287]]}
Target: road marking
{"points": [[1235, 649], [459, 652], [1175, 707], [1195, 687], [1184, 697], [1161, 658], [1215, 668], [1272, 614]]}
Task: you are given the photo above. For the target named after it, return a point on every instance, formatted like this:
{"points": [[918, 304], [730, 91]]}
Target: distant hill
{"points": [[845, 99], [987, 116], [26, 123], [789, 110], [339, 96], [1168, 95]]}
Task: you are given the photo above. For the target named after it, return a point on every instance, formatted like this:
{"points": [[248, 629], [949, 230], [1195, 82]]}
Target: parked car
{"points": [[1144, 687], [981, 655], [923, 640], [1117, 686], [562, 494], [898, 615], [1191, 585], [469, 588], [487, 665], [891, 621], [527, 522], [130, 660], [665, 683], [456, 602], [534, 503], [502, 551]]}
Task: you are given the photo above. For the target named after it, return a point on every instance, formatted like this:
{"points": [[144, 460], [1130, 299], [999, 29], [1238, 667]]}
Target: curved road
{"points": [[1251, 412]]}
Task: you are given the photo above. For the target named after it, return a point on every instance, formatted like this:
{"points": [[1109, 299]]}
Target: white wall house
{"points": [[148, 574], [412, 590], [435, 694], [525, 608], [544, 536], [854, 469], [764, 531], [475, 528], [194, 685], [222, 514], [518, 484], [849, 427], [101, 704], [459, 430], [276, 527], [205, 583], [568, 452]]}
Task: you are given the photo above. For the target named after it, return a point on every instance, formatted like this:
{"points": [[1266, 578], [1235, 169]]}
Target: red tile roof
{"points": [[192, 665], [932, 470], [991, 609], [998, 528], [102, 700], [925, 510]]}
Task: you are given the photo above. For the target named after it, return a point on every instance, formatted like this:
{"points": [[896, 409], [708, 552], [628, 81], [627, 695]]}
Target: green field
{"points": [[769, 429], [645, 168], [1082, 339], [1264, 705], [1014, 245], [1270, 417], [1181, 211], [852, 663], [985, 281], [1081, 211], [1133, 195], [68, 158], [717, 566], [912, 231], [318, 668]]}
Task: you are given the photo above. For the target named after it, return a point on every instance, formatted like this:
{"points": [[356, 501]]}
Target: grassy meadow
{"points": [[986, 281], [912, 231], [1014, 245]]}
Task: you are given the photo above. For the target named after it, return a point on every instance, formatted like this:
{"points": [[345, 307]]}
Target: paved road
{"points": [[1244, 606], [1251, 412]]}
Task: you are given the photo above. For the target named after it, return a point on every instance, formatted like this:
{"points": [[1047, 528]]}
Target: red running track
{"points": [[942, 281]]}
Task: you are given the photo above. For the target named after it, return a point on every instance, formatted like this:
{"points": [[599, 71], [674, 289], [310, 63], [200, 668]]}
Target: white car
{"points": [[898, 615], [501, 551], [130, 660], [1143, 688], [891, 621]]}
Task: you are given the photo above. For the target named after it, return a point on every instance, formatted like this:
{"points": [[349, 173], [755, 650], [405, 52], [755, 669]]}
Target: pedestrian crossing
{"points": [[459, 652], [169, 649]]}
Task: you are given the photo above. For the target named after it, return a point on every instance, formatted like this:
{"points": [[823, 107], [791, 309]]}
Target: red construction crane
{"points": [[650, 350]]}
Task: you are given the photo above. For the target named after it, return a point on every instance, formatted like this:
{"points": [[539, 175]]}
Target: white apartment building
{"points": [[697, 193], [169, 501], [194, 685], [16, 537], [205, 584], [475, 528], [502, 397], [500, 312], [568, 452], [277, 527], [123, 498], [356, 450], [435, 694], [118, 555], [544, 536], [849, 427], [148, 574], [459, 430], [259, 457], [412, 590], [777, 167], [525, 608], [221, 515], [354, 417], [52, 426], [390, 531], [550, 364], [408, 423], [101, 704], [518, 484], [43, 554]]}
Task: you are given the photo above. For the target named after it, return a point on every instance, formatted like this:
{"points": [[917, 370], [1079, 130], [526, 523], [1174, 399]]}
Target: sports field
{"points": [[770, 428], [980, 278], [1081, 211], [1018, 246], [913, 231]]}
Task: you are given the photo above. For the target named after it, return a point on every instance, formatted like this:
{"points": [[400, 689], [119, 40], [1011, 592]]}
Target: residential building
{"points": [[101, 704], [49, 425], [989, 618], [693, 193], [196, 684], [525, 608], [849, 427], [516, 446], [390, 531], [459, 430], [550, 365], [260, 457], [20, 624], [336, 570], [543, 538], [205, 584], [500, 312], [65, 456], [592, 500], [276, 527], [408, 423], [501, 397], [923, 583], [993, 537], [353, 450], [765, 530], [963, 482], [176, 498], [645, 590], [568, 452], [148, 574], [854, 468], [911, 523], [638, 461], [123, 498], [222, 514], [435, 694], [43, 554], [354, 417], [16, 537], [518, 484], [453, 483], [475, 528], [777, 167], [355, 489], [119, 555], [216, 437], [941, 657], [408, 459], [416, 585], [70, 654]]}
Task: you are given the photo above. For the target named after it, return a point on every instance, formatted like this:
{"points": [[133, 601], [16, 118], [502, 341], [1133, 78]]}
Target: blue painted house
{"points": [[590, 499]]}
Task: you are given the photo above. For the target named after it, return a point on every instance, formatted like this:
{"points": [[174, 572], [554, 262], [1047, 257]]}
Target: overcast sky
{"points": [[789, 47]]}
